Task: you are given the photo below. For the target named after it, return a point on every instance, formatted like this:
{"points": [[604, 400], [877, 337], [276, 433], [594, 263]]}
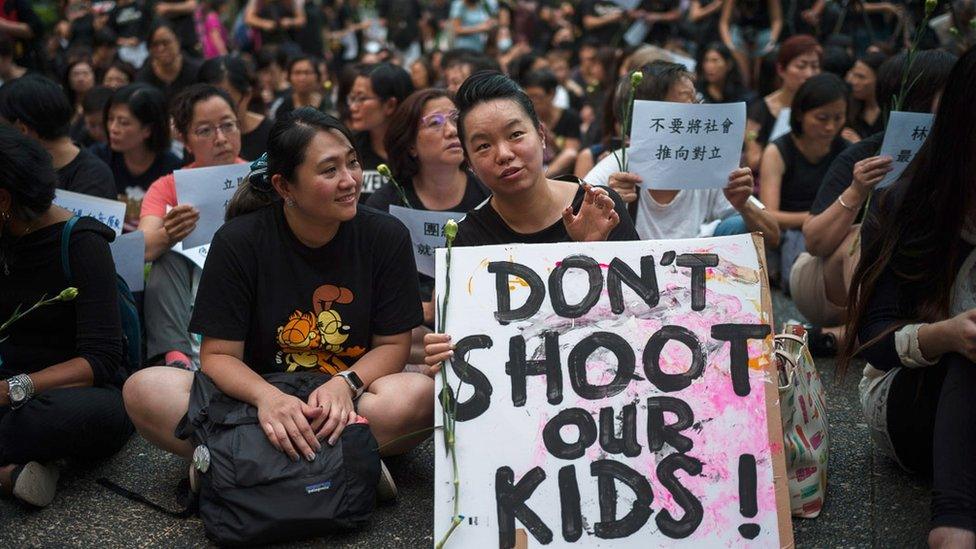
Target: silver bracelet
{"points": [[840, 200]]}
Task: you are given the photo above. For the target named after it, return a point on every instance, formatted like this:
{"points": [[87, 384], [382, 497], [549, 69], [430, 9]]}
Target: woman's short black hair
{"points": [[484, 86], [287, 145], [292, 61], [38, 103], [388, 80], [181, 108], [543, 78], [227, 68], [148, 105], [817, 91], [28, 174], [158, 24]]}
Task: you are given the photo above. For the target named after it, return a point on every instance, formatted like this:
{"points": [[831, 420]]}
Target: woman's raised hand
{"points": [[596, 217]]}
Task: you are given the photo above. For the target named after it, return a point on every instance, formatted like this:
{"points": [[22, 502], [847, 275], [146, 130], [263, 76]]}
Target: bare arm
{"points": [[16, 30], [724, 21], [70, 373], [776, 17], [177, 8], [696, 12], [566, 159], [253, 20]]}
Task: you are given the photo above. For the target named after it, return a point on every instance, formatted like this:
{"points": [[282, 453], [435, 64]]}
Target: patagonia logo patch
{"points": [[319, 487]]}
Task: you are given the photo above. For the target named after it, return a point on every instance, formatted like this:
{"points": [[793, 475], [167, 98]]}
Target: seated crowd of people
{"points": [[512, 115]]}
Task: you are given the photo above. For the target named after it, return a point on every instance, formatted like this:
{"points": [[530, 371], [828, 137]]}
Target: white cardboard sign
{"points": [[904, 136], [109, 212], [208, 190], [426, 233]]}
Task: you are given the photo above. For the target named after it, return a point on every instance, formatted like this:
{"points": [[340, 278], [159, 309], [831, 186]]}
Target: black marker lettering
{"points": [[670, 383], [537, 291], [558, 298], [644, 285], [582, 351], [519, 367], [698, 263]]}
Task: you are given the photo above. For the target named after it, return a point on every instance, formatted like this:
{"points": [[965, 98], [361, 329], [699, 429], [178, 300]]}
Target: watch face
{"points": [[17, 393], [355, 379]]}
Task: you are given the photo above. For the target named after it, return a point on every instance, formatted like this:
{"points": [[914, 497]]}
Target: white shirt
{"points": [[692, 213]]}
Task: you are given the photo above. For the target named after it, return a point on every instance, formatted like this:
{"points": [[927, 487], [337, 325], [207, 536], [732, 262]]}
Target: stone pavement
{"points": [[870, 501]]}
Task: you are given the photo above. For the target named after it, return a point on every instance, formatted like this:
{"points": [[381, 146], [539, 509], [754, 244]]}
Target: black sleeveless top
{"points": [[802, 178]]}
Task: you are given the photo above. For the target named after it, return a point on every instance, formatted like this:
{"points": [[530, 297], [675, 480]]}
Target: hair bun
{"points": [[258, 176]]}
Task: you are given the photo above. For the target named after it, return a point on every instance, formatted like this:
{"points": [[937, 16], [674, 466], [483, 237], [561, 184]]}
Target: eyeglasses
{"points": [[162, 43], [355, 100], [437, 120], [209, 132]]}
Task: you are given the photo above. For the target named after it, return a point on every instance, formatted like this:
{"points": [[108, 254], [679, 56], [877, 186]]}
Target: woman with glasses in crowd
{"points": [[206, 120], [168, 69], [306, 90], [376, 93]]}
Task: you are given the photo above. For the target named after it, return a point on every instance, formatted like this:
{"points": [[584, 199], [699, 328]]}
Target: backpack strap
{"points": [[65, 241], [186, 512]]}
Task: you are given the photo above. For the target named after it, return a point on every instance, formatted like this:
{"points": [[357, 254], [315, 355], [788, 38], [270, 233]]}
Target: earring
{"points": [[290, 202]]}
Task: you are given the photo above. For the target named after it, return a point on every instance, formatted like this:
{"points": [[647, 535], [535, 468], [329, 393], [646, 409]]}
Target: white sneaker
{"points": [[386, 489], [36, 484]]}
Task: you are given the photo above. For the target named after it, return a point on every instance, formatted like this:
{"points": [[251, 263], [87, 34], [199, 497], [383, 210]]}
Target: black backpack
{"points": [[252, 493]]}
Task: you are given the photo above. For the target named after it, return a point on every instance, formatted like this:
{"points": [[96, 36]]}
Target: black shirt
{"points": [[88, 327], [185, 28], [87, 174], [131, 21], [483, 226], [802, 178], [659, 32], [288, 104], [369, 159], [255, 142], [607, 34], [301, 308], [840, 174], [165, 163], [186, 77], [759, 113]]}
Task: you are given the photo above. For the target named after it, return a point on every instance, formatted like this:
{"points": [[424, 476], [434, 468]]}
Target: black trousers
{"points": [[85, 423], [932, 422]]}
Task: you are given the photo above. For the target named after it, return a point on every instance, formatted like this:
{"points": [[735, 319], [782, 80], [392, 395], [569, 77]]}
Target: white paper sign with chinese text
{"points": [[129, 253], [686, 146], [426, 233], [612, 394], [209, 190], [109, 212], [903, 138]]}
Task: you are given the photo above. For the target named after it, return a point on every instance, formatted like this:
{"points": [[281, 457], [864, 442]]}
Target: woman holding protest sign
{"points": [[794, 165], [913, 308], [426, 160], [663, 213], [206, 120], [290, 289], [503, 142]]}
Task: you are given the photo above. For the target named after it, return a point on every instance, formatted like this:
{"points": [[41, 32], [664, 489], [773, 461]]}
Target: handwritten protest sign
{"points": [[372, 181], [686, 146], [903, 138], [209, 190], [129, 253], [198, 254], [109, 212], [612, 395], [782, 125], [426, 232]]}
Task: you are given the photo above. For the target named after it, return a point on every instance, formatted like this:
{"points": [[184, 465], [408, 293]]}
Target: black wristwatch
{"points": [[354, 382]]}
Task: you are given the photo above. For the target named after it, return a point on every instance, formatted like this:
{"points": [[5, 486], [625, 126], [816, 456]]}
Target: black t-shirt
{"points": [[606, 34], [802, 178], [403, 19], [26, 50], [369, 159], [87, 174], [185, 28], [568, 125], [186, 77], [131, 21], [88, 327], [483, 226], [288, 104], [474, 194], [759, 112], [255, 142], [840, 174], [659, 32], [298, 308], [166, 162], [863, 129]]}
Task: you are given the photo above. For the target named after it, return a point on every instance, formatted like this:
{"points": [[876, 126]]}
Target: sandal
{"points": [[35, 484], [386, 490]]}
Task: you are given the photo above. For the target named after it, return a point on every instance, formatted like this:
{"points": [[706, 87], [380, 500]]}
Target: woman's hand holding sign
{"points": [[740, 187], [596, 217], [437, 349], [180, 222]]}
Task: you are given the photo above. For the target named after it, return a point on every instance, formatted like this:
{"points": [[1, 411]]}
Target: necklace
{"points": [[3, 253]]}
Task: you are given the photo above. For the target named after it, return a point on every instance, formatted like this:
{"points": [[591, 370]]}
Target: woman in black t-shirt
{"points": [[503, 142], [302, 279], [306, 88], [232, 75], [794, 166]]}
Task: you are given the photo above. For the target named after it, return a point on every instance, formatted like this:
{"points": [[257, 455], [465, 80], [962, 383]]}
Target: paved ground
{"points": [[870, 502]]}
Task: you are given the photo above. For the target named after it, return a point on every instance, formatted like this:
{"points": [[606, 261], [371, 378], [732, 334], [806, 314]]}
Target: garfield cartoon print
{"points": [[314, 340]]}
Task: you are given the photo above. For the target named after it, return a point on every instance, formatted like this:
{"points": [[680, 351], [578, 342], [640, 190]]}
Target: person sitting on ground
{"points": [[37, 107], [865, 114], [503, 142], [799, 58], [63, 364], [376, 92], [306, 88], [794, 165], [821, 275], [168, 69], [687, 213], [206, 122], [118, 75], [233, 75], [138, 149], [913, 307], [293, 256], [427, 162]]}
